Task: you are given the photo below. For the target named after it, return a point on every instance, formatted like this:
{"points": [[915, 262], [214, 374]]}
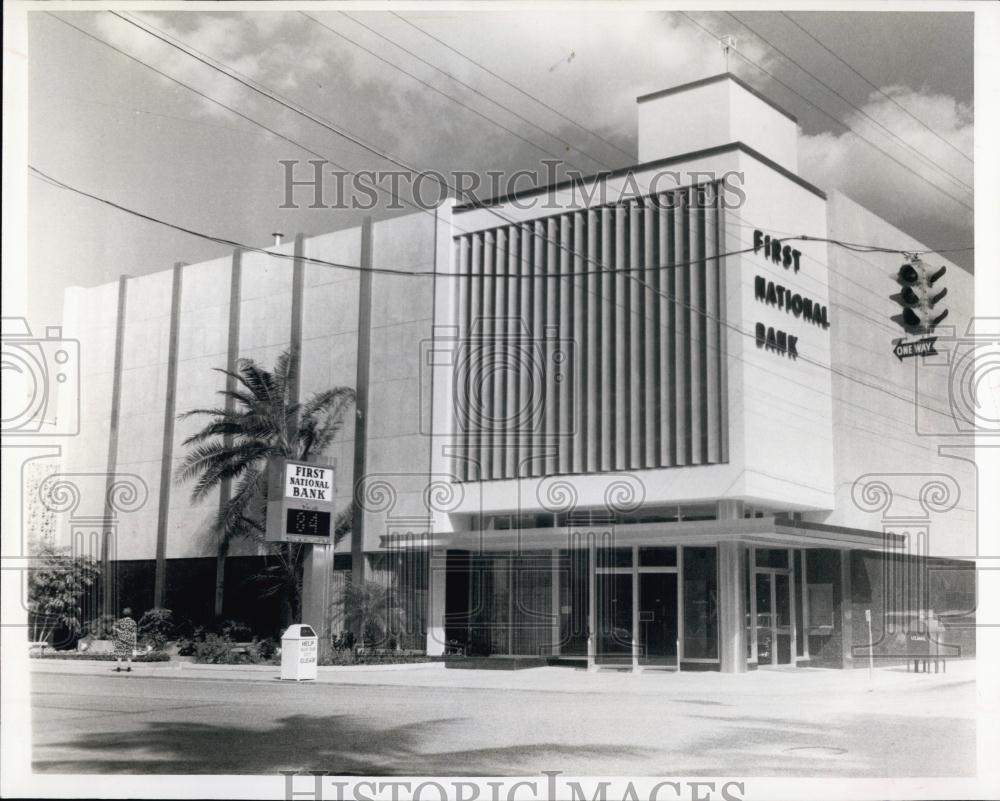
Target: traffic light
{"points": [[918, 296]]}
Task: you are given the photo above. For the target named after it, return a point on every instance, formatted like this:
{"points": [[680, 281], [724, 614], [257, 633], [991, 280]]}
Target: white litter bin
{"points": [[299, 653]]}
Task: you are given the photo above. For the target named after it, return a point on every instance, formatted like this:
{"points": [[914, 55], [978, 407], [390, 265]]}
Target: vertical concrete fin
{"points": [[651, 370], [636, 340], [167, 451], [696, 315], [591, 421], [563, 369], [682, 419], [712, 327], [361, 403], [668, 400], [608, 371], [621, 302], [108, 571]]}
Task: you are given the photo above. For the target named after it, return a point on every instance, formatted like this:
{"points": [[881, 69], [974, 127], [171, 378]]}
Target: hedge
{"points": [[83, 656]]}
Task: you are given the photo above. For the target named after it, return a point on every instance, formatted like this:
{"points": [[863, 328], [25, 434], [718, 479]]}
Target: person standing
{"points": [[124, 635]]}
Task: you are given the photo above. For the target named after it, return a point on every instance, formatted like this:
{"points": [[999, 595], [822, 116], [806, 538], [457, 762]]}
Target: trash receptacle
{"points": [[299, 652]]}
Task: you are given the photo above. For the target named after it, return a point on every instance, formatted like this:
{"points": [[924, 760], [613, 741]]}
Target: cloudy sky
{"points": [[403, 86]]}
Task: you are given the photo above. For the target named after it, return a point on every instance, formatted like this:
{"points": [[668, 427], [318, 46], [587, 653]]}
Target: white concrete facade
{"points": [[803, 436]]}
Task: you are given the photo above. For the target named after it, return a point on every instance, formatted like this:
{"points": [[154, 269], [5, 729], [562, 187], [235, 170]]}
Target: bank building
{"points": [[663, 417]]}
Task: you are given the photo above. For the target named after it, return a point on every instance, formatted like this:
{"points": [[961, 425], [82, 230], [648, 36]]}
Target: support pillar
{"points": [[317, 570], [436, 601], [556, 607], [592, 604], [846, 623], [732, 608]]}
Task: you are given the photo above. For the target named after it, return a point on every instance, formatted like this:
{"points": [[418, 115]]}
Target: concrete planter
{"points": [[96, 646]]}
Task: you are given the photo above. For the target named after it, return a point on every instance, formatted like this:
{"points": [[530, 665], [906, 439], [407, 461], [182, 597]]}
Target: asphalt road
{"points": [[109, 723]]}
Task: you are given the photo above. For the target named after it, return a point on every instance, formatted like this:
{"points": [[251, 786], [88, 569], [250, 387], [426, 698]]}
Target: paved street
{"points": [[425, 720]]}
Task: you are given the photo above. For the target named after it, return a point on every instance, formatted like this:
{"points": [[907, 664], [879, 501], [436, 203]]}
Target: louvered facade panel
{"points": [[595, 340]]}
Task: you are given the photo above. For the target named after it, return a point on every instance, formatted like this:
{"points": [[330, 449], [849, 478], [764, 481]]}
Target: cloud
{"points": [[266, 48], [845, 162]]}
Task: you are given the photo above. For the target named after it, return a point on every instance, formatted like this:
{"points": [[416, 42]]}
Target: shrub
{"points": [[100, 627], [152, 656], [57, 582], [215, 649], [267, 649], [369, 607], [236, 630], [156, 627], [372, 657]]}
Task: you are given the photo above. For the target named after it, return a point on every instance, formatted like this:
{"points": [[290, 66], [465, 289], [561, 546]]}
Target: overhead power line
{"points": [[568, 145], [927, 160], [826, 113], [887, 96], [554, 242], [381, 270], [634, 273], [512, 85]]}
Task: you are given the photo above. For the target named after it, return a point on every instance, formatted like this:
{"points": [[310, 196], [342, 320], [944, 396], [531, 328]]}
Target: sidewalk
{"points": [[814, 683]]}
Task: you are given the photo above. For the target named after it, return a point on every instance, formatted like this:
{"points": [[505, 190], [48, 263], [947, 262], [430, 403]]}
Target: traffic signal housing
{"points": [[918, 296]]}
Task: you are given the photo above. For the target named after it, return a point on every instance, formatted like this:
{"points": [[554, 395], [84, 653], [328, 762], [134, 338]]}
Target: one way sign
{"points": [[920, 347]]}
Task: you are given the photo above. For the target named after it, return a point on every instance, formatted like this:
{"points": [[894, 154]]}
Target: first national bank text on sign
{"points": [[305, 482]]}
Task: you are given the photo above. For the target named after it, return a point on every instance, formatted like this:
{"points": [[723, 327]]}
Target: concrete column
{"points": [[846, 624], [556, 610], [317, 568], [732, 609], [437, 583], [109, 583], [592, 606]]}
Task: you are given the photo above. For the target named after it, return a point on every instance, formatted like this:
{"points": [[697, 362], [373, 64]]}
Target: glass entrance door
{"points": [[614, 616], [774, 618], [658, 619]]}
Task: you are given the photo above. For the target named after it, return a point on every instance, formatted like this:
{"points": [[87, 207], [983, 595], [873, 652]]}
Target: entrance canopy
{"points": [[767, 531]]}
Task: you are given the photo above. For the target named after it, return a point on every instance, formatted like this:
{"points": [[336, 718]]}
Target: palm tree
{"points": [[369, 608], [259, 422]]}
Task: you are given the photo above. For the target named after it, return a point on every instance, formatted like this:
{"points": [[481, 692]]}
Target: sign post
{"points": [[300, 509], [871, 655]]}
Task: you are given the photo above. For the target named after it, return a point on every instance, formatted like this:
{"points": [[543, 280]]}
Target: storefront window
{"points": [[657, 557], [701, 615], [772, 557], [614, 557]]}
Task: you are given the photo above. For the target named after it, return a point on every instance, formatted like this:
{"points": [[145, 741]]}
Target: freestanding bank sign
{"points": [[300, 502]]}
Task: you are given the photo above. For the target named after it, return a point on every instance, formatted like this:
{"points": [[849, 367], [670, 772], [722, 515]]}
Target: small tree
{"points": [[369, 608], [259, 422], [57, 583]]}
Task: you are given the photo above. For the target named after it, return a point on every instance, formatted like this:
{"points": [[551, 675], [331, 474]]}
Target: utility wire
{"points": [[860, 110], [859, 248], [505, 276], [511, 222], [381, 270], [516, 88], [886, 95], [470, 87], [823, 111]]}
